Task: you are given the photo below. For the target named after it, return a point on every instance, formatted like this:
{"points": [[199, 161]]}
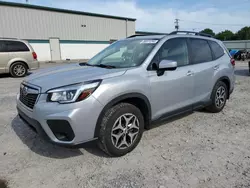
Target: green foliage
{"points": [[242, 34], [225, 35], [208, 31]]}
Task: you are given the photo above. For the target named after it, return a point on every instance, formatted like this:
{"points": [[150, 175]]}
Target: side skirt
{"points": [[176, 114]]}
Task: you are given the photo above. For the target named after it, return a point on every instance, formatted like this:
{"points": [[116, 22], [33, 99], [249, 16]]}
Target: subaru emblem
{"points": [[25, 91]]}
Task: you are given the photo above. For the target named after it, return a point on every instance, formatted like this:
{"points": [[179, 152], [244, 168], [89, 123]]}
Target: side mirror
{"points": [[167, 65]]}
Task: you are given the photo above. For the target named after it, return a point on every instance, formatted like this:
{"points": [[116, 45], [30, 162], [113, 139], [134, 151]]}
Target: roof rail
{"points": [[191, 32]]}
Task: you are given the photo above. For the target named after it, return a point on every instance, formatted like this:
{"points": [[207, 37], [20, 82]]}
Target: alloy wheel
{"points": [[125, 131], [19, 70], [220, 97]]}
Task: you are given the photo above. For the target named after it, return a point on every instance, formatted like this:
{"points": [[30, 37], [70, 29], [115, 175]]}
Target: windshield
{"points": [[124, 53]]}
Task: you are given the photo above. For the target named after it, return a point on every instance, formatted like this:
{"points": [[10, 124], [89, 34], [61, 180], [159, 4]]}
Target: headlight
{"points": [[73, 93]]}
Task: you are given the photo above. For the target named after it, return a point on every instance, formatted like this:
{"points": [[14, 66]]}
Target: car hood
{"points": [[58, 76]]}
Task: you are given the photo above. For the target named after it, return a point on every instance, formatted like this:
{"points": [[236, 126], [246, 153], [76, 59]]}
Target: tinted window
{"points": [[16, 46], [200, 51], [173, 49], [217, 49], [2, 46]]}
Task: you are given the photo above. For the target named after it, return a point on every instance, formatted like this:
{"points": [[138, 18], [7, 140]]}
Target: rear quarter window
{"points": [[218, 51], [16, 46]]}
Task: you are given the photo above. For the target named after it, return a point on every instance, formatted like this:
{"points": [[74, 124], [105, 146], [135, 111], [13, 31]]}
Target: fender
{"points": [[119, 99], [7, 69], [229, 86]]}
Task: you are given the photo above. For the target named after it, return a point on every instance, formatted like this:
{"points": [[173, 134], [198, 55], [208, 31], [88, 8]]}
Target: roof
{"points": [[3, 3], [149, 33]]}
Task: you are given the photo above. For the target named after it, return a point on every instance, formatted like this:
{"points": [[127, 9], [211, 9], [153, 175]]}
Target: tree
{"points": [[243, 34], [208, 31], [225, 35]]}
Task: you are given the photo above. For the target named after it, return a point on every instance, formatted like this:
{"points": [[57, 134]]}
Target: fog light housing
{"points": [[61, 129]]}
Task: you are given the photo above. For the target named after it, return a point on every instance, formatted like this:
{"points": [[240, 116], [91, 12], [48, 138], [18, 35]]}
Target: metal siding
{"points": [[41, 24], [238, 44], [131, 28]]}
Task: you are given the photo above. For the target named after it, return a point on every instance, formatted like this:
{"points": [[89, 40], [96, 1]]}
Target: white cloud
{"points": [[161, 18]]}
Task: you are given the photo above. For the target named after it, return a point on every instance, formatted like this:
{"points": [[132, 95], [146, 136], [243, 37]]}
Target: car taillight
{"points": [[34, 55], [232, 61]]}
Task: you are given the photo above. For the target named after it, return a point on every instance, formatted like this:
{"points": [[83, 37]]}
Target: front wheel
{"points": [[121, 129], [218, 97]]}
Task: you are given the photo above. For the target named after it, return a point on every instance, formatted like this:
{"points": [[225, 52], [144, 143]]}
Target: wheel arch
{"points": [[226, 80], [10, 63], [137, 99]]}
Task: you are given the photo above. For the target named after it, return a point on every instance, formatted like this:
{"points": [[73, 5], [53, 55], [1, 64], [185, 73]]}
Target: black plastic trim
{"points": [[181, 111], [119, 99], [62, 127], [191, 32]]}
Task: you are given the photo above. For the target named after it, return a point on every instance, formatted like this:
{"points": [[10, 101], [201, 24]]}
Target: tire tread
{"points": [[108, 114], [212, 108]]}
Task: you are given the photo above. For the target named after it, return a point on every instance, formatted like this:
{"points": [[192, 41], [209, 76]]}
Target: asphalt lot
{"points": [[198, 150]]}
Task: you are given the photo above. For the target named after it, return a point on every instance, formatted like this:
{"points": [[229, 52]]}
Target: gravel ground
{"points": [[197, 150]]}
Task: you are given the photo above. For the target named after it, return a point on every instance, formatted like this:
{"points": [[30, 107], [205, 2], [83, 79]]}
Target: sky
{"points": [[159, 15]]}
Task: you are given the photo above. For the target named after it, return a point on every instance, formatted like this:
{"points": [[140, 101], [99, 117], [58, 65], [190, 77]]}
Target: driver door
{"points": [[173, 90]]}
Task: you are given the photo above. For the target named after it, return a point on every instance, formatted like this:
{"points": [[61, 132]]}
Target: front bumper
{"points": [[81, 116]]}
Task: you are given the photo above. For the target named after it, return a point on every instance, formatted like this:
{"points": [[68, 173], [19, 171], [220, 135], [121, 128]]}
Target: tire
{"points": [[110, 126], [217, 104], [18, 70]]}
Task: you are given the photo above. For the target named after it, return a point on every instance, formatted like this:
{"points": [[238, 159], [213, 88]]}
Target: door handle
{"points": [[190, 73], [216, 67]]}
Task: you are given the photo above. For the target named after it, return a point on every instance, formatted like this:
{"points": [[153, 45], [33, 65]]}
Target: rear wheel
{"points": [[218, 97], [121, 129], [18, 69]]}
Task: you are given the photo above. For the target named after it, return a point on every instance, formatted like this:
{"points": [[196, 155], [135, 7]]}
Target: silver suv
{"points": [[17, 57], [126, 87]]}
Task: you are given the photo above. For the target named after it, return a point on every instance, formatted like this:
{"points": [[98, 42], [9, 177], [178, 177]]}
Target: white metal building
{"points": [[57, 34], [237, 44]]}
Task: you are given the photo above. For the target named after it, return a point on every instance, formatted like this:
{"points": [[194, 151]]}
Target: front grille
{"points": [[28, 96]]}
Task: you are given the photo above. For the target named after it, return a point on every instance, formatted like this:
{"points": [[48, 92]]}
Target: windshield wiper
{"points": [[85, 64], [100, 65], [106, 66]]}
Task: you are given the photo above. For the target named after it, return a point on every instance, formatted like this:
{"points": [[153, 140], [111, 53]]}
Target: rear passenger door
{"points": [[203, 67]]}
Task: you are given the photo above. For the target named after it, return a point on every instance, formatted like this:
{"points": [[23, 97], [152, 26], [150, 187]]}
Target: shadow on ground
{"points": [[47, 149], [92, 147], [5, 75], [167, 120], [39, 145], [242, 72]]}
